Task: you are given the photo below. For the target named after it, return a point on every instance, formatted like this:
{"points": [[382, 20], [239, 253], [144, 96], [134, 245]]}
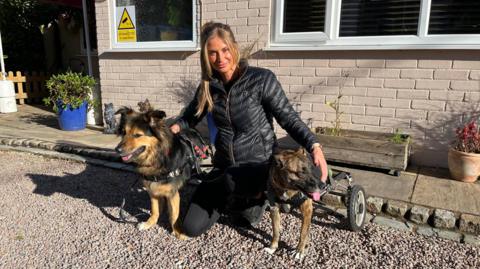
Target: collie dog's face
{"points": [[143, 134]]}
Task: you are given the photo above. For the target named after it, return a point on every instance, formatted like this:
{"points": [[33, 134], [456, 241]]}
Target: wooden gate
{"points": [[29, 87]]}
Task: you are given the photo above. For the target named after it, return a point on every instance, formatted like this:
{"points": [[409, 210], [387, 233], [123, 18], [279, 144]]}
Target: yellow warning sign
{"points": [[125, 21], [127, 35], [126, 28]]}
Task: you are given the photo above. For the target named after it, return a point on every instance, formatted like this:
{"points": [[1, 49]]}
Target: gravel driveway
{"points": [[62, 214]]}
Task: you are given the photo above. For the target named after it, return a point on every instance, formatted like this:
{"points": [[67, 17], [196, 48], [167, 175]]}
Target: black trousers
{"points": [[224, 191]]}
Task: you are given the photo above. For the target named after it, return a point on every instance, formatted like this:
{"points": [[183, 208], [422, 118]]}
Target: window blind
{"points": [[304, 16], [379, 17], [454, 17]]}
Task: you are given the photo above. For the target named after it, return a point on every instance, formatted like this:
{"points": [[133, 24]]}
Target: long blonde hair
{"points": [[210, 30]]}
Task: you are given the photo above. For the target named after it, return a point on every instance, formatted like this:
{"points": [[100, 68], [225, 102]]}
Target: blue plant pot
{"points": [[72, 119]]}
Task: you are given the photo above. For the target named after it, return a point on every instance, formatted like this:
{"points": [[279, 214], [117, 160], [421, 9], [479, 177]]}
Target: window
{"points": [[153, 24], [454, 17], [374, 24], [302, 21], [304, 16], [379, 18]]}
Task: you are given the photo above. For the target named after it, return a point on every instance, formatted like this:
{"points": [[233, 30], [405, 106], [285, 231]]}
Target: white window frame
{"points": [[330, 39], [182, 45]]}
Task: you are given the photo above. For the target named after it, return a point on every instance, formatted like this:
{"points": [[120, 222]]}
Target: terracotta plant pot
{"points": [[464, 166]]}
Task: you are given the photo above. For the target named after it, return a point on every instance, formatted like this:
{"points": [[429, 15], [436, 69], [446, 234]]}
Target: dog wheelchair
{"points": [[340, 183]]}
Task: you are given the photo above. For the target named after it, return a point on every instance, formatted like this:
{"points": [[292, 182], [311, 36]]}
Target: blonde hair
{"points": [[210, 30]]}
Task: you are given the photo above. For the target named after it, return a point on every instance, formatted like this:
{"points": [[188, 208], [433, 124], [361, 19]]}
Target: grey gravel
{"points": [[62, 214]]}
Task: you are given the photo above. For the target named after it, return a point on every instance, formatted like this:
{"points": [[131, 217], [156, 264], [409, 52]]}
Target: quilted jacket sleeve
{"points": [[188, 118], [275, 100]]}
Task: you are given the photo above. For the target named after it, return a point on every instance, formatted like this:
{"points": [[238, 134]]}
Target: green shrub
{"points": [[71, 88]]}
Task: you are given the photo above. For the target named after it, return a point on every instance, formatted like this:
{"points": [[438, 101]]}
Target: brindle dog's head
{"points": [[294, 170], [144, 135]]}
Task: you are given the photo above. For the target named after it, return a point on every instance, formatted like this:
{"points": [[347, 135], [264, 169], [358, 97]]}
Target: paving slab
{"points": [[435, 189], [40, 123], [381, 184]]}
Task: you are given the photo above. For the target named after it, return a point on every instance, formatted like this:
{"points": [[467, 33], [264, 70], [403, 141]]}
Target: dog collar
{"points": [[164, 177]]}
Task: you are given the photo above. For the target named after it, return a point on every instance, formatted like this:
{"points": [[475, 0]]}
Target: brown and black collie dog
{"points": [[164, 160]]}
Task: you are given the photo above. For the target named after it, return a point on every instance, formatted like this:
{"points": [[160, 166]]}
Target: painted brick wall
{"points": [[420, 92]]}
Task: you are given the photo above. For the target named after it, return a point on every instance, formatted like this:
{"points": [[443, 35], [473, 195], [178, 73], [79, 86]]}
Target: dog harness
{"points": [[196, 154], [273, 198]]}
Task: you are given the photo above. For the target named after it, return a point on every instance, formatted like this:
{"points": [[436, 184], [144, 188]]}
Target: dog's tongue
{"points": [[315, 195], [126, 158]]}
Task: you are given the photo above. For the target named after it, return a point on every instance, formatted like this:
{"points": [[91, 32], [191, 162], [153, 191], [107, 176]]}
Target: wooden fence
{"points": [[29, 87]]}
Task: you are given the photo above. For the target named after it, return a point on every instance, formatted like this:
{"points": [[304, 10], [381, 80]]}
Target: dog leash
{"points": [[122, 218]]}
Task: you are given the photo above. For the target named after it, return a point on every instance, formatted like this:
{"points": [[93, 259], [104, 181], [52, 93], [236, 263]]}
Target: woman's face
{"points": [[220, 58]]}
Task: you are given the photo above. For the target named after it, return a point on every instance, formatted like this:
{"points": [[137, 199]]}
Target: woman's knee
{"points": [[193, 230], [198, 220]]}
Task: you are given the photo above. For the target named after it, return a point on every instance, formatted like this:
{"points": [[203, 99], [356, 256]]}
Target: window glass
{"points": [[304, 16], [160, 20], [379, 17], [454, 17]]}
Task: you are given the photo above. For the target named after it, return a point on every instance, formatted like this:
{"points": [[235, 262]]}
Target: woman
{"points": [[243, 101]]}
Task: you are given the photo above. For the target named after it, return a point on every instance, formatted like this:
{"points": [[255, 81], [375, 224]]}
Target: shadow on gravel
{"points": [[248, 232], [319, 219], [105, 189]]}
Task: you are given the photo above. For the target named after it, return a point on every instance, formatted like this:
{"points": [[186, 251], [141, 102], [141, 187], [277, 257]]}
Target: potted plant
{"points": [[464, 153], [70, 94]]}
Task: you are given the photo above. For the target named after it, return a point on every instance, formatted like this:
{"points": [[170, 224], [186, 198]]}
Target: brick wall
{"points": [[420, 92]]}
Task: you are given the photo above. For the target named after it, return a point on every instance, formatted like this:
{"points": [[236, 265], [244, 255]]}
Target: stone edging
{"points": [[98, 153], [427, 221], [396, 214]]}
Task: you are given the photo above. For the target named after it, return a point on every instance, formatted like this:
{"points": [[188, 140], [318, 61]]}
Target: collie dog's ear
{"points": [[124, 112], [155, 119], [158, 114]]}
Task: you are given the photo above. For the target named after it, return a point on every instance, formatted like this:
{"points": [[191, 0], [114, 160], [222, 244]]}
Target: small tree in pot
{"points": [[464, 153], [70, 94]]}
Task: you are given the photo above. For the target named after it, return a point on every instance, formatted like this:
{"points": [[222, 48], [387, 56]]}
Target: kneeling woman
{"points": [[243, 101]]}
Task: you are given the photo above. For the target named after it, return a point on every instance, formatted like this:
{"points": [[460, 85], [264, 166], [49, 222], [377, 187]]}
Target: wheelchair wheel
{"points": [[356, 208]]}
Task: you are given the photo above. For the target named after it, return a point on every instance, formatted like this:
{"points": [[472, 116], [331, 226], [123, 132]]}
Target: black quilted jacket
{"points": [[244, 118]]}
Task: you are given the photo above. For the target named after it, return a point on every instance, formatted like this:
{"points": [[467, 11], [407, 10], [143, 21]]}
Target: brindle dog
{"points": [[293, 179], [164, 161]]}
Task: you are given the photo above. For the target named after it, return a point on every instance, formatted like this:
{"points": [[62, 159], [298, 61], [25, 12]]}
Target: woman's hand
{"points": [[175, 128], [320, 161]]}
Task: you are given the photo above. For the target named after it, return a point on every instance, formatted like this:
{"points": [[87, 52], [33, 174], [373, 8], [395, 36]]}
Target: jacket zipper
{"points": [[228, 114], [230, 120]]}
